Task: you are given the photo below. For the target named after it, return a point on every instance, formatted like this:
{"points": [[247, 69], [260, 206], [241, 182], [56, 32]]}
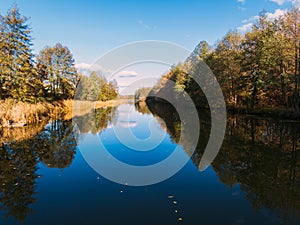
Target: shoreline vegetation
{"points": [[273, 113], [35, 88], [258, 71], [19, 114]]}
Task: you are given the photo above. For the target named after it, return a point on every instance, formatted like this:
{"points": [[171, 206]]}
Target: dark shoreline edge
{"points": [[273, 113]]}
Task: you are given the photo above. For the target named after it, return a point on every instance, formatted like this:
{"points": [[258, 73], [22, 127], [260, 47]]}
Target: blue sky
{"points": [[90, 28]]}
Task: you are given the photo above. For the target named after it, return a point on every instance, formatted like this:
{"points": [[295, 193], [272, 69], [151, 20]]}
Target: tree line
{"points": [[260, 68], [50, 75], [141, 94], [257, 69], [96, 88]]}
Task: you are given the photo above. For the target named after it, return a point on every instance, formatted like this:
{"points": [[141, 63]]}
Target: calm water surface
{"points": [[255, 178]]}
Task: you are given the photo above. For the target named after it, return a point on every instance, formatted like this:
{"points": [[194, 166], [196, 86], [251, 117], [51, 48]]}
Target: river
{"points": [[45, 177]]}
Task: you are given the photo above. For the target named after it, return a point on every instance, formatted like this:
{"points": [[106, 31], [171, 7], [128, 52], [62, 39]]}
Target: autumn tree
{"points": [[256, 60], [226, 65], [107, 92], [3, 46], [95, 87], [57, 65], [18, 74], [291, 27], [201, 51]]}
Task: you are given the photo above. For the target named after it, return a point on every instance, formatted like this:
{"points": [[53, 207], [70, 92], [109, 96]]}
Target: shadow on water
{"points": [[260, 155], [52, 144]]}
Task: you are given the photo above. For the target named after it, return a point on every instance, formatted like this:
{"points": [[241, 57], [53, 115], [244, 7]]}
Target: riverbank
{"points": [[19, 114], [276, 113]]}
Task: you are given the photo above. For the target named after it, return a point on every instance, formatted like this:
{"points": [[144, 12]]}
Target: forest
{"points": [[49, 76], [257, 70]]}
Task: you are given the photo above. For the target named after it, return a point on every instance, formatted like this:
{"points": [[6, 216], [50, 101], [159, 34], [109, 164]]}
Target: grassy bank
{"points": [[14, 113], [18, 114]]}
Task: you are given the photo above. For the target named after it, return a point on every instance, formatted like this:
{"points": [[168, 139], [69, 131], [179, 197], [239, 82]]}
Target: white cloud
{"points": [[84, 66], [127, 124], [280, 2], [251, 19], [278, 13], [127, 73], [146, 26], [248, 23], [245, 27], [241, 1], [97, 67]]}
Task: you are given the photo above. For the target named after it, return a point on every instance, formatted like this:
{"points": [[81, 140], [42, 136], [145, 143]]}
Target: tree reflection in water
{"points": [[57, 144], [96, 121], [18, 166], [262, 156], [22, 149]]}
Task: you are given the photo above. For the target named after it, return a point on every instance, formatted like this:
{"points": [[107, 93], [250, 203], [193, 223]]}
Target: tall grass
{"points": [[12, 111], [21, 113]]}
